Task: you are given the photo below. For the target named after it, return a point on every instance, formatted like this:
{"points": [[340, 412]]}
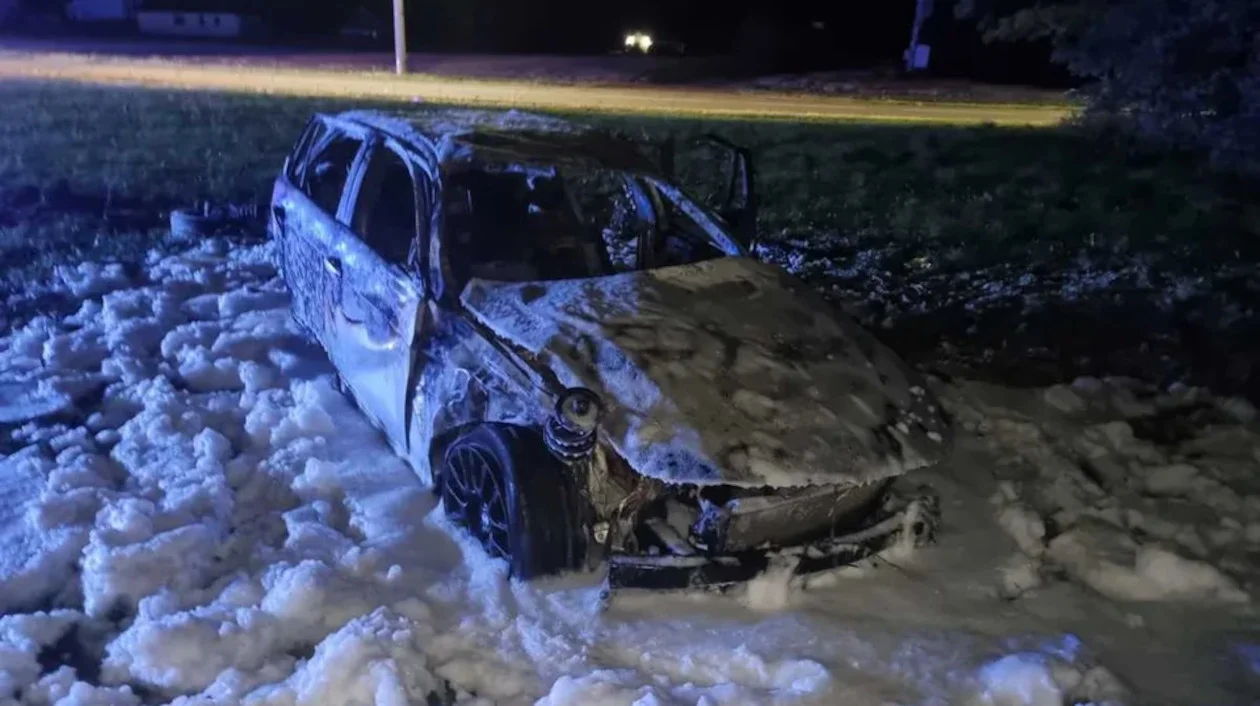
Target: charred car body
{"points": [[584, 362]]}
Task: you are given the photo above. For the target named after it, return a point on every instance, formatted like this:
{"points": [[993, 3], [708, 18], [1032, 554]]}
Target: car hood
{"points": [[723, 372]]}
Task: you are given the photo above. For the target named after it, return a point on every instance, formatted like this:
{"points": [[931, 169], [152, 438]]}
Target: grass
{"points": [[87, 171], [978, 194]]}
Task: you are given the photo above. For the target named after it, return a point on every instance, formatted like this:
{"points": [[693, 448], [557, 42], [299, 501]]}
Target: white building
{"points": [[101, 10], [180, 18], [182, 23]]}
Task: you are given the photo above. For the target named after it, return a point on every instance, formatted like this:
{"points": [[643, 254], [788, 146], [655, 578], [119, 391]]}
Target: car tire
{"points": [[501, 485], [187, 224]]}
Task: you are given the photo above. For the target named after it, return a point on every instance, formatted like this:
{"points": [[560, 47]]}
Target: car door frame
{"points": [[282, 230], [310, 234], [739, 209], [393, 312]]}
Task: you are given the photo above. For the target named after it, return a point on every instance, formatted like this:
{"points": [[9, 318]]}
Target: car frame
{"points": [[525, 457]]}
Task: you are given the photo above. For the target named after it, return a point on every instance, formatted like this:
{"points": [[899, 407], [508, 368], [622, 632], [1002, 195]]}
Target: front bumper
{"points": [[912, 521]]}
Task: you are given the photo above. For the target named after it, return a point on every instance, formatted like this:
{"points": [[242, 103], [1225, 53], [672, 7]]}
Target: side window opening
{"points": [[296, 165], [682, 241], [385, 211], [326, 172], [682, 237]]}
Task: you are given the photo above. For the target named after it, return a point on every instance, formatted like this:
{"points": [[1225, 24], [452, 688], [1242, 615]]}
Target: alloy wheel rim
{"points": [[474, 498]]}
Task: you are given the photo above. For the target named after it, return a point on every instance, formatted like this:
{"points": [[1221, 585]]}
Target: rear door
{"points": [[309, 211], [285, 199], [381, 287]]}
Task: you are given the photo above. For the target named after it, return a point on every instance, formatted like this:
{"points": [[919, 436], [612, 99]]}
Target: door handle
{"points": [[333, 266], [373, 337], [371, 333]]}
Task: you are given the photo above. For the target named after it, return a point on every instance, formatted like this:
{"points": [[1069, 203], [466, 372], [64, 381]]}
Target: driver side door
{"points": [[720, 175], [382, 295]]}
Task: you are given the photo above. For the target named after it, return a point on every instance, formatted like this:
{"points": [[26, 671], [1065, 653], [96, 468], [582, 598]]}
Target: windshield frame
{"points": [[713, 225], [647, 190]]}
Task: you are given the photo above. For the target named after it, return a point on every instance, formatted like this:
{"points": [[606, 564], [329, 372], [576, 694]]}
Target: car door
{"points": [[286, 198], [308, 212], [381, 286], [720, 175]]}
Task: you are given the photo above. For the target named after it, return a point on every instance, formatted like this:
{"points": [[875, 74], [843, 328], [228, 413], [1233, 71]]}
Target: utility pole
{"points": [[400, 39], [916, 56]]}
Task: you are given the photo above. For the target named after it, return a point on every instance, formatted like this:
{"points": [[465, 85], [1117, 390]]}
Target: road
{"points": [[318, 75]]}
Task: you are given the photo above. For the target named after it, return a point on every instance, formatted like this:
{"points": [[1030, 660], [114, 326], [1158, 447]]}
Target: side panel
{"points": [[463, 379], [379, 311], [372, 327], [295, 253], [311, 265], [310, 231], [285, 204]]}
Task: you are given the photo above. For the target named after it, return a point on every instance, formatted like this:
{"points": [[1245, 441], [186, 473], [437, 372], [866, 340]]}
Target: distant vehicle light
{"points": [[639, 40]]}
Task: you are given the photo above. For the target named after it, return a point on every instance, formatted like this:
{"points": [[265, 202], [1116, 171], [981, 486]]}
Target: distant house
{"points": [[225, 19], [101, 10], [193, 18]]}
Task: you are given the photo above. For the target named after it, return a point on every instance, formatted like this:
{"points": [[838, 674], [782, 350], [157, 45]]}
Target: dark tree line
{"points": [[1183, 72]]}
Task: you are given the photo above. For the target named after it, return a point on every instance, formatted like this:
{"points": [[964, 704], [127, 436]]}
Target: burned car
{"points": [[584, 362]]}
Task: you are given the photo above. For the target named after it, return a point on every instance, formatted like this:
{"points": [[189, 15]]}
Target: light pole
{"points": [[916, 56], [400, 39]]}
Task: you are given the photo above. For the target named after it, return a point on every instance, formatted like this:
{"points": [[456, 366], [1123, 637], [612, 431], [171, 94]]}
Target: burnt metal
{"points": [[915, 522], [740, 209], [667, 378], [625, 518], [796, 515], [571, 429]]}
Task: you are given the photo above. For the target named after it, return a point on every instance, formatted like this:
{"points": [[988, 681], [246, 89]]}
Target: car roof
{"points": [[504, 137]]}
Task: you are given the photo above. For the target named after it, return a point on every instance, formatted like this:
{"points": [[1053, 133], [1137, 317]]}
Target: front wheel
{"points": [[500, 484]]}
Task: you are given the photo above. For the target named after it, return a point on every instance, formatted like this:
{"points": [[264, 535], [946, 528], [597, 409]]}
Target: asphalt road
{"points": [[336, 75]]}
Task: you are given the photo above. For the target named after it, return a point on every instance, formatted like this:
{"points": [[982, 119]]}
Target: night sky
{"points": [[850, 28], [787, 35]]}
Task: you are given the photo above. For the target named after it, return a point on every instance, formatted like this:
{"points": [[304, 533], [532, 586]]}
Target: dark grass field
{"points": [[987, 192], [890, 217]]}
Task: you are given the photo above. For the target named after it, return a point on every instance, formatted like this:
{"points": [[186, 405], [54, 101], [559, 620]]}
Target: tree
{"points": [[1185, 72]]}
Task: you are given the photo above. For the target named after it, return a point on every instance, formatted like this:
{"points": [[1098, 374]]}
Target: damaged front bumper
{"points": [[899, 521]]}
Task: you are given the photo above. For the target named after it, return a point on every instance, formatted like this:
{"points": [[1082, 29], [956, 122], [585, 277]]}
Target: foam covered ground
{"points": [[194, 516]]}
